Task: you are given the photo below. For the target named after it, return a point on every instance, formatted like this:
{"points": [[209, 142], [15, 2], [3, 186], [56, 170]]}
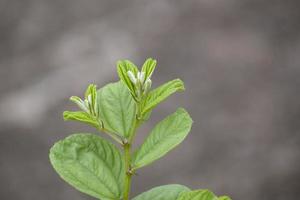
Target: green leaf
{"points": [[80, 103], [161, 93], [165, 136], [146, 116], [90, 164], [91, 90], [224, 198], [197, 195], [91, 98], [166, 192], [123, 66], [88, 106], [149, 67], [116, 108], [82, 117]]}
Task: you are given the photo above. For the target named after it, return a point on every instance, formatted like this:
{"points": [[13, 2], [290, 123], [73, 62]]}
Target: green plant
{"points": [[95, 166]]}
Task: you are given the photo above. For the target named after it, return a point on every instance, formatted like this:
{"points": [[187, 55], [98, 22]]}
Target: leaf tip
{"points": [[184, 112], [66, 115], [180, 85]]}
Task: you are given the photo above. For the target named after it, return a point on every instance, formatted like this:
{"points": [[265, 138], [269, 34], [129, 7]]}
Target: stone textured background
{"points": [[240, 60]]}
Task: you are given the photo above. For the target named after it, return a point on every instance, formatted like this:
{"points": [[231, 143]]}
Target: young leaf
{"points": [[197, 195], [91, 99], [161, 93], [149, 67], [82, 117], [80, 103], [166, 192], [123, 67], [164, 137], [224, 198], [116, 108], [89, 113], [90, 164]]}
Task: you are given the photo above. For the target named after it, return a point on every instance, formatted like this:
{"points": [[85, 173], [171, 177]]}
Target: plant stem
{"points": [[127, 154], [128, 173]]}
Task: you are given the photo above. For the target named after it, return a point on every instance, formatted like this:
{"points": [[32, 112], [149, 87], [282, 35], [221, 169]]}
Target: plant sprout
{"points": [[97, 167]]}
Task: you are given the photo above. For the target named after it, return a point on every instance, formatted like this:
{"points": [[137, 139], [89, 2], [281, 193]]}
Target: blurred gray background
{"points": [[240, 60]]}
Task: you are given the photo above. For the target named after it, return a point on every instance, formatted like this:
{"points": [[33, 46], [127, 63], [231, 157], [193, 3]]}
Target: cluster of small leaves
{"points": [[97, 167]]}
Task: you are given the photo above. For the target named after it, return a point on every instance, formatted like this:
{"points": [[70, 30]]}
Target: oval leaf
{"points": [[197, 195], [166, 192], [90, 164], [116, 108], [161, 93], [165, 136]]}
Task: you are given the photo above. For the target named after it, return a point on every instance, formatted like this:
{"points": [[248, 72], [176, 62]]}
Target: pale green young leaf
{"points": [[224, 198], [161, 93], [81, 117], [116, 108], [197, 195], [149, 67], [80, 103], [91, 164], [88, 104], [91, 90], [91, 98], [123, 66], [165, 192], [164, 137]]}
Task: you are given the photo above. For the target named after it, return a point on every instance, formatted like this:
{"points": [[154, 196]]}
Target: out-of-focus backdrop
{"points": [[240, 60]]}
